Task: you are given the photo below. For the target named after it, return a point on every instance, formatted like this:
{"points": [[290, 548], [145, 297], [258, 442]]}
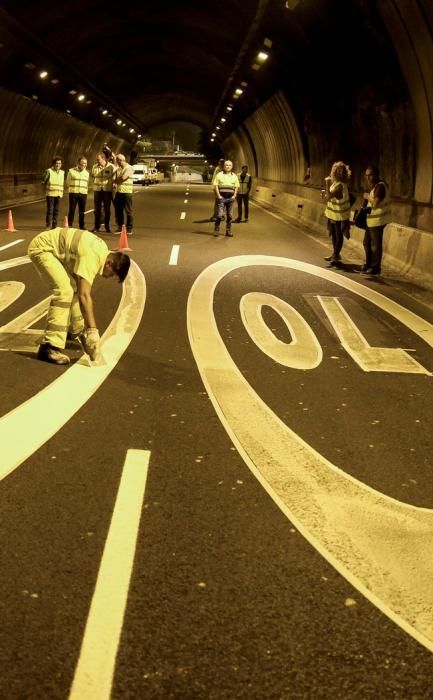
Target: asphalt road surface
{"points": [[237, 501]]}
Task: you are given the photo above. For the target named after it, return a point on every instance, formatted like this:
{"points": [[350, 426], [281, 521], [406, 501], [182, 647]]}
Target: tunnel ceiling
{"points": [[152, 62]]}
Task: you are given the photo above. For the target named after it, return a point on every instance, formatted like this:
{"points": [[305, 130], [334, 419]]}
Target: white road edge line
{"points": [[9, 245], [96, 664], [174, 255], [183, 214], [89, 211]]}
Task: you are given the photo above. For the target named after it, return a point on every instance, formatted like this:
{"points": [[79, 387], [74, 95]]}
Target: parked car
{"points": [[141, 174], [152, 175]]}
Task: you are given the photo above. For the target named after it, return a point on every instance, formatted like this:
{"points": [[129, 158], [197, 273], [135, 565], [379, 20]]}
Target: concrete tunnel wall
{"points": [[32, 135]]}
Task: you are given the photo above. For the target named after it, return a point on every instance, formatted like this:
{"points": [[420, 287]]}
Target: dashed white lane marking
{"points": [[9, 245], [185, 201], [382, 546], [95, 669], [89, 211], [14, 262], [183, 214], [22, 432], [174, 255]]}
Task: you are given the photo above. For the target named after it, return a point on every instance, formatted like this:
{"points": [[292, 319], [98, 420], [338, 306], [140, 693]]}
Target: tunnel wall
{"points": [[32, 135]]}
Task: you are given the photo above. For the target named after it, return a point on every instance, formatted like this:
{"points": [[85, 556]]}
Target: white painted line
{"points": [[9, 245], [374, 540], [174, 255], [10, 292], [183, 214], [61, 399], [14, 262], [89, 211], [21, 204], [95, 669], [185, 201]]}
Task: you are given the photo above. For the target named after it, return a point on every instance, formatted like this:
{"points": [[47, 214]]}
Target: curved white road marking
{"points": [[30, 425], [382, 546], [10, 292], [93, 676], [303, 352]]}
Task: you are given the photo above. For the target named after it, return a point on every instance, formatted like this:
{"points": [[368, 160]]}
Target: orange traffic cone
{"points": [[10, 227], [66, 223], [123, 241]]}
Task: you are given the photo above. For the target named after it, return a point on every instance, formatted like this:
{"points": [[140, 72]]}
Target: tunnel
{"points": [[287, 86]]}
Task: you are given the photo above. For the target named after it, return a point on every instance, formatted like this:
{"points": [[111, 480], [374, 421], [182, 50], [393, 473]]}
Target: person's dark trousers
{"points": [[123, 203], [373, 244], [225, 207], [336, 231], [102, 198], [52, 211], [74, 199], [215, 208], [245, 199]]}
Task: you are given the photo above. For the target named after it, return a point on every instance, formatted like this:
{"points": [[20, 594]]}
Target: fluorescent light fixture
{"points": [[72, 92], [213, 133], [131, 131], [262, 56], [54, 81], [229, 108], [238, 91], [139, 136], [217, 127], [43, 74], [105, 111], [118, 121], [88, 102], [81, 97], [223, 119], [212, 139]]}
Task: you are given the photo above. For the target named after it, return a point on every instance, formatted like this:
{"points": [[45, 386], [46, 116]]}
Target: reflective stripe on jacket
{"points": [[382, 214], [338, 209], [78, 181], [54, 183]]}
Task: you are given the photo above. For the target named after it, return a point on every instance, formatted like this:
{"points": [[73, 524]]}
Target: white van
{"points": [[153, 175], [141, 174]]}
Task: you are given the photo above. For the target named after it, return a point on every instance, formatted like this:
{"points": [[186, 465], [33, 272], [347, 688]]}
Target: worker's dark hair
{"points": [[121, 263], [53, 162]]}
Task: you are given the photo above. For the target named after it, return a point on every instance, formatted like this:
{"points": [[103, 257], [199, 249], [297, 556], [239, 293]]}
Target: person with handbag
{"points": [[378, 214], [337, 209]]}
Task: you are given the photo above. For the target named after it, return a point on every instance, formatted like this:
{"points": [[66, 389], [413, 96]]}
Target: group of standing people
{"points": [[228, 187], [376, 211], [112, 179]]}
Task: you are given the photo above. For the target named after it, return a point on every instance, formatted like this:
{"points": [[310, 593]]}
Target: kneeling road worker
{"points": [[68, 260]]}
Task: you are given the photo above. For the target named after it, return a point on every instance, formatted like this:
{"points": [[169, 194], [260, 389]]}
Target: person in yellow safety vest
{"points": [[243, 196], [68, 260], [53, 180], [226, 188], [124, 189], [103, 174], [77, 182], [377, 203], [219, 168], [337, 209]]}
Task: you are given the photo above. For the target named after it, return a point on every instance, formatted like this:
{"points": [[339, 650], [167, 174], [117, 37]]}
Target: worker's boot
{"points": [[48, 353]]}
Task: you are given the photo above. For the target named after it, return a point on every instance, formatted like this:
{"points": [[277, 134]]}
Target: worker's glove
{"points": [[91, 343]]}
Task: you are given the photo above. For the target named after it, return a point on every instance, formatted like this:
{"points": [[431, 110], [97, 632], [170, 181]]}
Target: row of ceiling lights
{"points": [[260, 59], [81, 97]]}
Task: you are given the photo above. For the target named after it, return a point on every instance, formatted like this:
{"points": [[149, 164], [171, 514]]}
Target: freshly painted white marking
{"points": [[10, 292], [61, 399], [174, 255], [9, 245], [370, 359], [95, 669], [183, 214], [303, 352], [89, 211], [14, 262], [382, 546]]}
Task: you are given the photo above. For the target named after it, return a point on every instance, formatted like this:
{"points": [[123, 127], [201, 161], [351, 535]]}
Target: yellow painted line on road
{"points": [[9, 245], [183, 214], [382, 546], [174, 255], [95, 669], [22, 431]]}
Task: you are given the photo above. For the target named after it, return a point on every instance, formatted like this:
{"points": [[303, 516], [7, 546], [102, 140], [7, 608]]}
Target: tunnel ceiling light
{"points": [[229, 108], [110, 115], [54, 81], [262, 56], [217, 127], [72, 92], [123, 123], [68, 111], [105, 111], [267, 43], [43, 74], [213, 133], [235, 97], [244, 84], [81, 97], [223, 119], [139, 136], [29, 66], [35, 97], [131, 131], [212, 140], [238, 91], [88, 102], [118, 121], [255, 66]]}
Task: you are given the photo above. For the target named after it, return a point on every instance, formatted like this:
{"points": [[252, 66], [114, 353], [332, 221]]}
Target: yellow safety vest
{"points": [[244, 185], [338, 209], [103, 177], [78, 181], [382, 214], [124, 186], [55, 182]]}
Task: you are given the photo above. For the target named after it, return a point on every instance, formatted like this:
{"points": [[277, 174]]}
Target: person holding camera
{"points": [[337, 210], [103, 174]]}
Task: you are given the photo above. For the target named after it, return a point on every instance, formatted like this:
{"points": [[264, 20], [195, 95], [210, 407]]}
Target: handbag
{"points": [[360, 218]]}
